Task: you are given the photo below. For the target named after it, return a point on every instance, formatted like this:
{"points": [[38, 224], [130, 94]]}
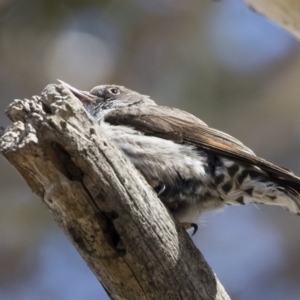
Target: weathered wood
{"points": [[285, 13], [102, 203]]}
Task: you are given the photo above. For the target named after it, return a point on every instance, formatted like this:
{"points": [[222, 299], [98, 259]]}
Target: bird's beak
{"points": [[81, 95]]}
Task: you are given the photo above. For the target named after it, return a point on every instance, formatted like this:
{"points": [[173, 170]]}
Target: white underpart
{"points": [[161, 159]]}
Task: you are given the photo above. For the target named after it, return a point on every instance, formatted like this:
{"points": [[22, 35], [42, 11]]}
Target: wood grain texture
{"points": [[114, 219]]}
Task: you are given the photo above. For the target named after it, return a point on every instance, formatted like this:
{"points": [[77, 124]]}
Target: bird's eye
{"points": [[114, 91]]}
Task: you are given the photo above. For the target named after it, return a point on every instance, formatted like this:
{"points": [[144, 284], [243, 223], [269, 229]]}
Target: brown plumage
{"points": [[182, 127]]}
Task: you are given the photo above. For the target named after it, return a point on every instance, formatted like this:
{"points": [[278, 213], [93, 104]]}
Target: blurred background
{"points": [[219, 60]]}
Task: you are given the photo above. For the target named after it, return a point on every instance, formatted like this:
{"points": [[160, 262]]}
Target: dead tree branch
{"points": [[285, 13], [102, 203]]}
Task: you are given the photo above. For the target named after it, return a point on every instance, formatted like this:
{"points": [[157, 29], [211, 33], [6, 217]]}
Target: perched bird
{"points": [[192, 167]]}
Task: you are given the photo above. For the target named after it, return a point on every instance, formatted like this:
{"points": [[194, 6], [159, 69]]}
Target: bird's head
{"points": [[103, 98]]}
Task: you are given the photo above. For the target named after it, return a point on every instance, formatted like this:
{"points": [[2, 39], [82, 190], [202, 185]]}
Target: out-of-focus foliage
{"points": [[216, 59]]}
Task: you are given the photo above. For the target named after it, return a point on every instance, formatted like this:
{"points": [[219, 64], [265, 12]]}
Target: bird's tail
{"points": [[241, 184]]}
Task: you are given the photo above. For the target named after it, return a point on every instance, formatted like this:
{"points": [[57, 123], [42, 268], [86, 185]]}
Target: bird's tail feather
{"points": [[242, 185]]}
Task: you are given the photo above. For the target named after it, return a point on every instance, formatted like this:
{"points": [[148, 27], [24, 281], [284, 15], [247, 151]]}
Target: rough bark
{"points": [[285, 13], [106, 208]]}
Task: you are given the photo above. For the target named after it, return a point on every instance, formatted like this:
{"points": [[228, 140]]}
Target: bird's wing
{"points": [[182, 127]]}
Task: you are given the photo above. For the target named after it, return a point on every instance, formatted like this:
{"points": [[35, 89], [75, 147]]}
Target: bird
{"points": [[192, 167]]}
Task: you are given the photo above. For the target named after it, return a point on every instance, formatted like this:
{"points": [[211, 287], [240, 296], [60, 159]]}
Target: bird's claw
{"points": [[161, 187], [188, 226], [195, 228]]}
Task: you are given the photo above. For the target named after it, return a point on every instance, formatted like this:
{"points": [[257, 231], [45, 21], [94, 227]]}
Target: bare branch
{"points": [[285, 13], [106, 208]]}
